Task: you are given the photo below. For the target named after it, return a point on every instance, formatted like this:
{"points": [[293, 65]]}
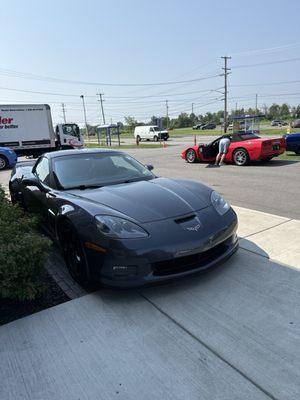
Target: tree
{"points": [[284, 111], [184, 120], [131, 122], [274, 111]]}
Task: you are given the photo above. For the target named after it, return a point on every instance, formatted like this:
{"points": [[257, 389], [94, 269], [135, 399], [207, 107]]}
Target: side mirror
{"points": [[149, 166], [34, 182]]}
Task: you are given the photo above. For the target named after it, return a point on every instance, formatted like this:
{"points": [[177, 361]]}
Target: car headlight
{"points": [[220, 204], [119, 228]]}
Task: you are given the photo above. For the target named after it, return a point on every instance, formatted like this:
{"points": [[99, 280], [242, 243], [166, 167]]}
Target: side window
{"points": [[42, 171]]}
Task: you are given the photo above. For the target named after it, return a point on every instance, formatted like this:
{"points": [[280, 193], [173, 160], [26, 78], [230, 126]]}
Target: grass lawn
{"points": [[265, 130], [126, 146]]}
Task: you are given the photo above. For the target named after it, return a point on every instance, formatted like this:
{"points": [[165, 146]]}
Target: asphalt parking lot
{"points": [[232, 333], [272, 187]]}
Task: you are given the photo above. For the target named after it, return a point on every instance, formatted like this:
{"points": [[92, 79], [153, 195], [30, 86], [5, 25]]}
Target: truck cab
{"points": [[68, 136]]}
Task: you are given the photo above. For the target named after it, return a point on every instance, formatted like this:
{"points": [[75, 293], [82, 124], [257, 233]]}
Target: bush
{"points": [[22, 252]]}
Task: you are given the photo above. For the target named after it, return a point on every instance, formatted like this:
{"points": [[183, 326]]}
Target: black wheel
{"points": [[240, 157], [155, 138], [138, 138], [3, 162], [297, 151], [74, 254], [190, 156]]}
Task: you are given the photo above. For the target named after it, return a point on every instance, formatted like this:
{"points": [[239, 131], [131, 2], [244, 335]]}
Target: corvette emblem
{"points": [[193, 228]]}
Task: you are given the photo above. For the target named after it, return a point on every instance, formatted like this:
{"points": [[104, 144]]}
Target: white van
{"points": [[150, 132]]}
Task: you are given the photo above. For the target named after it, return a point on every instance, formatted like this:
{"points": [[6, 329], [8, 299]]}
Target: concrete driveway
{"points": [[232, 333]]}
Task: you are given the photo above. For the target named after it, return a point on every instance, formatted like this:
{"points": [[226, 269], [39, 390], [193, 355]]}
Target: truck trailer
{"points": [[27, 129]]}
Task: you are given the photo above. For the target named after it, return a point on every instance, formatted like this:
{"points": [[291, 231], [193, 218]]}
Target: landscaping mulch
{"points": [[11, 310]]}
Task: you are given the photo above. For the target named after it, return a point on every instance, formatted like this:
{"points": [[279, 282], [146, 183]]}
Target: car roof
{"points": [[60, 153]]}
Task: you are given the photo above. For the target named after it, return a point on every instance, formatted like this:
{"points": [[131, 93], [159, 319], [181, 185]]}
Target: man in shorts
{"points": [[223, 149]]}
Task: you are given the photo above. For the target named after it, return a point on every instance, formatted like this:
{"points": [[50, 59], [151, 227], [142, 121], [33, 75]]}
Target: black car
{"points": [[208, 126], [118, 223], [198, 126]]}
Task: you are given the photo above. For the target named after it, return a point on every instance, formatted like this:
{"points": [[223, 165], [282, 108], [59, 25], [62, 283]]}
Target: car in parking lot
{"points": [[197, 126], [8, 158], [118, 223], [278, 122], [296, 123], [243, 148], [208, 126], [292, 142]]}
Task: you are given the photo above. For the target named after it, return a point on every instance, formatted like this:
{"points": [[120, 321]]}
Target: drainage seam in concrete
{"points": [[267, 229], [209, 348]]}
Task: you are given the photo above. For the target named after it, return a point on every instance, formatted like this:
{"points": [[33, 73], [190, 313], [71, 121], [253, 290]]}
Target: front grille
{"points": [[187, 263]]}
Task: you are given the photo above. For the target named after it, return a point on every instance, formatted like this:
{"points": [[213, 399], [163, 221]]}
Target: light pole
{"points": [[84, 113]]}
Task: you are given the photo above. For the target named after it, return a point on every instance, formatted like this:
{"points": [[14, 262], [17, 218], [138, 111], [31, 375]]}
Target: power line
{"points": [[267, 63], [25, 75]]}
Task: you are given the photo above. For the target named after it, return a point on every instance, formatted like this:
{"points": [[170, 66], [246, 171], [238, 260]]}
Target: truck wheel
{"points": [[190, 156], [240, 157], [3, 162], [138, 138], [155, 138], [74, 254], [297, 151]]}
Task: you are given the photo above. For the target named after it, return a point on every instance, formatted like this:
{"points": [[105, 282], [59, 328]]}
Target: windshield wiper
{"points": [[83, 187]]}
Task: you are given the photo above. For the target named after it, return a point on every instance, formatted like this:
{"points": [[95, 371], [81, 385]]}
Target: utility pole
{"points": [[192, 108], [167, 112], [256, 110], [64, 111], [226, 73], [101, 101], [84, 113]]}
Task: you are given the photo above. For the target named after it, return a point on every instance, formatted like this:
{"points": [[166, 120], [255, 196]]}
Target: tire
{"points": [[297, 151], [190, 156], [3, 163], [74, 255], [240, 157], [138, 138], [155, 138]]}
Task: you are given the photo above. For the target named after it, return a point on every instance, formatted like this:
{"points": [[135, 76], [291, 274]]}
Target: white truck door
{"points": [[69, 136]]}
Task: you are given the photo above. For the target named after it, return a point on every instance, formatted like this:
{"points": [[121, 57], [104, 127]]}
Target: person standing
{"points": [[223, 149]]}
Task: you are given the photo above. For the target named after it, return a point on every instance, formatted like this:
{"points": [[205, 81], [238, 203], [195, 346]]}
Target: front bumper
{"points": [[169, 253]]}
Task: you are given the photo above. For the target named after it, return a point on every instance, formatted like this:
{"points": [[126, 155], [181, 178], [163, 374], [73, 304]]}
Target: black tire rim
{"points": [[190, 156], [74, 256]]}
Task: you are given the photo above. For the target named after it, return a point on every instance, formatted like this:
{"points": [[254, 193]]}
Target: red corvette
{"points": [[244, 147]]}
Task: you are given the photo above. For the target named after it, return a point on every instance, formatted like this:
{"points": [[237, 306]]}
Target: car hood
{"points": [[148, 201]]}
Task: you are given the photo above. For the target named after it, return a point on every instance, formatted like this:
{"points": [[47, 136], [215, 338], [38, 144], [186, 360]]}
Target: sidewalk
{"points": [[232, 333]]}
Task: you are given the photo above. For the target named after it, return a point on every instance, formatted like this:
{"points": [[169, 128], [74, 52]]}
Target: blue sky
{"points": [[133, 42]]}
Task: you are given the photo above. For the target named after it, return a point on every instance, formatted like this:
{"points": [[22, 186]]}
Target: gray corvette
{"points": [[118, 223]]}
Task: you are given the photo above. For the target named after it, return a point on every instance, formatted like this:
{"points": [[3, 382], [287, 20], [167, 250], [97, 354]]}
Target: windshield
{"points": [[71, 129], [156, 129], [98, 169]]}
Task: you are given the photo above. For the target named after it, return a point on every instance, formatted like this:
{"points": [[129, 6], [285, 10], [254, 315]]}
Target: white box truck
{"points": [[27, 129], [150, 132]]}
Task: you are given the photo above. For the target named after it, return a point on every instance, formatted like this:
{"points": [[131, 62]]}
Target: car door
{"points": [[36, 198]]}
